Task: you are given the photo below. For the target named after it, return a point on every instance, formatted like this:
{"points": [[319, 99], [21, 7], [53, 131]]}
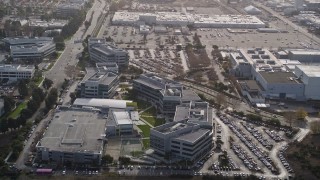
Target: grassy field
{"points": [[150, 117], [16, 113], [146, 143], [145, 130], [39, 80]]}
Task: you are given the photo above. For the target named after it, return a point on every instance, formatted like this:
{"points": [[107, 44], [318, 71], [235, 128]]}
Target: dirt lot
{"points": [[305, 157]]}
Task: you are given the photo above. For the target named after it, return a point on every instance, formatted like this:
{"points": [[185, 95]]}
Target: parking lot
{"points": [[255, 148]]}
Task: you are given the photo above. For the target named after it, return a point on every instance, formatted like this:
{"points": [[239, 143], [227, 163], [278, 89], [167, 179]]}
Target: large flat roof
{"points": [[193, 136], [95, 102], [74, 130], [311, 71], [279, 77]]}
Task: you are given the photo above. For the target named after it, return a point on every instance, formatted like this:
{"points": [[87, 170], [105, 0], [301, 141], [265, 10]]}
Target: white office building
{"points": [[181, 140], [99, 85], [30, 48], [12, 72], [103, 52]]}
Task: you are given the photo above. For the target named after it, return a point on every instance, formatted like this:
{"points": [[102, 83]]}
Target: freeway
{"points": [[57, 72]]}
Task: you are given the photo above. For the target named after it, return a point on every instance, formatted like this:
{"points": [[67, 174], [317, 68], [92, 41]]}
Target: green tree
{"points": [[51, 98], [22, 88], [47, 83], [301, 114], [124, 160], [38, 95], [4, 125], [107, 159], [73, 97], [9, 103]]}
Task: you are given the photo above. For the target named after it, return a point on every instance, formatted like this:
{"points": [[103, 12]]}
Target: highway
{"points": [[57, 72]]}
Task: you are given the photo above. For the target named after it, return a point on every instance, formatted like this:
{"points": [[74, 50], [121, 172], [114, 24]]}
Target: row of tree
{"points": [[33, 104]]}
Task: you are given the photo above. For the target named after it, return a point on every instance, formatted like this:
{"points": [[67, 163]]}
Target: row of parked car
{"points": [[255, 149], [247, 159], [274, 135], [255, 133], [283, 160]]}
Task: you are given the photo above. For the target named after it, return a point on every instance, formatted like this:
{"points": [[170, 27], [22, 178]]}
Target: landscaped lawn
{"points": [[146, 143], [150, 117], [16, 113], [142, 105], [145, 130]]}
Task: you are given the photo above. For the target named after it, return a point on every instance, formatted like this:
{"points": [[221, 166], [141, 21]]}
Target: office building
{"points": [[99, 85], [181, 140], [74, 136], [67, 10], [103, 52], [163, 93], [12, 72], [30, 48]]}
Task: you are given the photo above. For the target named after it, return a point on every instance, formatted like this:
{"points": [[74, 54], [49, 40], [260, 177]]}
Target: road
{"points": [[57, 72], [285, 20]]}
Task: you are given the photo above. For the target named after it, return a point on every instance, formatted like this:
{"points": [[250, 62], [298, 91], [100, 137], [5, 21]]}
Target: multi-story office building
{"points": [[181, 140], [12, 73], [30, 48], [107, 67], [163, 93], [195, 112], [103, 52], [74, 136], [99, 85]]}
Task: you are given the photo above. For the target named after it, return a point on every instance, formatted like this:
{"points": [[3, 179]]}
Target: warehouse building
{"points": [[99, 85], [74, 136], [103, 52], [252, 10], [181, 140], [182, 20], [310, 76], [10, 73]]}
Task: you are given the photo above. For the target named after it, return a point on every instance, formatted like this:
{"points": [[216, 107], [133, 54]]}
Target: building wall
{"points": [[33, 53], [274, 90], [74, 157], [91, 89], [13, 76], [192, 151]]}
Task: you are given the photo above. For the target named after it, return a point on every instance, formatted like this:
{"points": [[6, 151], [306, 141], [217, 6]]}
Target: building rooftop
{"points": [[261, 59], [154, 81], [122, 117], [311, 71], [107, 48], [102, 103], [173, 126], [102, 78], [280, 77], [26, 40], [74, 130], [16, 67], [193, 136], [195, 112], [107, 67], [46, 24]]}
